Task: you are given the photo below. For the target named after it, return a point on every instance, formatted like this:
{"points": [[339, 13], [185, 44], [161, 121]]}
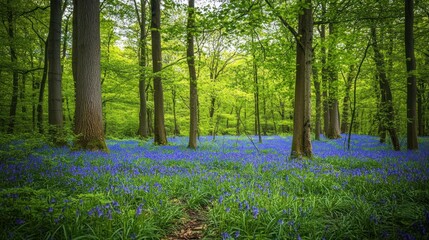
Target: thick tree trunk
{"points": [[87, 75], [55, 108], [412, 143], [143, 130], [158, 93], [387, 115], [301, 141], [193, 92]]}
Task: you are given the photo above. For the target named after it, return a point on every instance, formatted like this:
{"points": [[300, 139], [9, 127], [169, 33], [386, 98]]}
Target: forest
{"points": [[214, 119], [244, 55]]}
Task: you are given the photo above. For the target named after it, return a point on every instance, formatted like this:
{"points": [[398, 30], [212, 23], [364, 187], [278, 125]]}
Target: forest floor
{"points": [[229, 188]]}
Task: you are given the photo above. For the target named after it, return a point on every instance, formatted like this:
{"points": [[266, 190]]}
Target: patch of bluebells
{"points": [[83, 171]]}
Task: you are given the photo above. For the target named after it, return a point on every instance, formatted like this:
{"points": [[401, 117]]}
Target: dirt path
{"points": [[191, 227]]}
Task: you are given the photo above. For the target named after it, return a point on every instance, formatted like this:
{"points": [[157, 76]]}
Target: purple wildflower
{"points": [[225, 236], [19, 221], [139, 210], [255, 212]]}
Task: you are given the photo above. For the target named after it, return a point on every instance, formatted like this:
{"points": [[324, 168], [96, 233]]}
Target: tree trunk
{"points": [[325, 85], [412, 143], [193, 90], [256, 96], [143, 130], [301, 141], [158, 94], [420, 108], [87, 75], [42, 90], [387, 115], [334, 121], [318, 100], [238, 120], [346, 101], [14, 61], [176, 130], [55, 107]]}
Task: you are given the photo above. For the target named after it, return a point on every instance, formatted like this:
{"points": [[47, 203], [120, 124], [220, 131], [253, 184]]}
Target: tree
{"points": [[193, 94], [346, 100], [256, 93], [333, 131], [10, 22], [301, 141], [87, 76], [387, 115], [412, 143], [55, 73], [143, 130], [158, 95], [316, 82]]}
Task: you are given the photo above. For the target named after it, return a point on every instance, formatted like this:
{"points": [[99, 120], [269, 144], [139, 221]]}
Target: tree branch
{"points": [[286, 24]]}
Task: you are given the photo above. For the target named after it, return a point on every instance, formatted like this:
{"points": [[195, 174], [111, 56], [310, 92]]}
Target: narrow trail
{"points": [[192, 226]]}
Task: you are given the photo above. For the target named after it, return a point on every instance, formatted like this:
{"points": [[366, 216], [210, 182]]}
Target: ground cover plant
{"points": [[234, 189]]}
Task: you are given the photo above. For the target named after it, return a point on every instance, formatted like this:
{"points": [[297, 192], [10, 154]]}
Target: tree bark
{"points": [[42, 90], [412, 143], [87, 75], [318, 100], [14, 60], [420, 108], [193, 90], [301, 141], [325, 85], [334, 121], [176, 131], [158, 94], [55, 108], [143, 130], [346, 101], [256, 95], [387, 115]]}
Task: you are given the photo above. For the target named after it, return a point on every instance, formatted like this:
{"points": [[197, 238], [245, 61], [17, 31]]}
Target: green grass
{"points": [[141, 191]]}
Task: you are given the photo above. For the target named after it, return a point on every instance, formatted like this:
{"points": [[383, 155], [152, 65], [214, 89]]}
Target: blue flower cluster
{"points": [[236, 176]]}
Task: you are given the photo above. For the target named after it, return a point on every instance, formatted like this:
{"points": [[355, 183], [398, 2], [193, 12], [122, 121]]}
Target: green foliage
{"points": [[230, 37]]}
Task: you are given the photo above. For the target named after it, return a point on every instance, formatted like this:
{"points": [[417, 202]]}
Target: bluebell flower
{"points": [[139, 210], [19, 221], [255, 212], [225, 236]]}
